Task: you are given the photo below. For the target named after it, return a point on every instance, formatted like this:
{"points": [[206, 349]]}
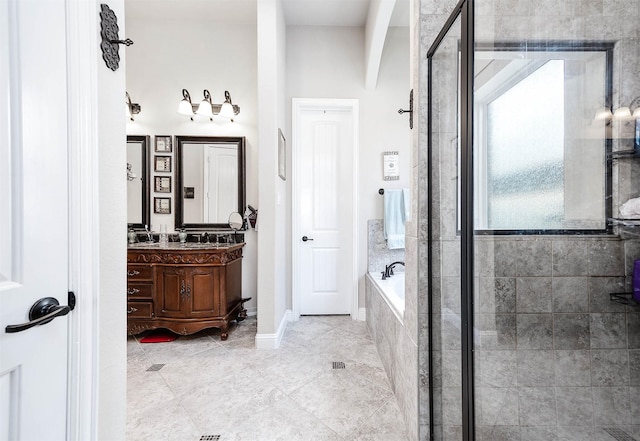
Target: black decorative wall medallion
{"points": [[110, 40], [410, 111]]}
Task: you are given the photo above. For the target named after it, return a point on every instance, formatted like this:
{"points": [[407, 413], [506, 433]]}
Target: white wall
{"points": [[112, 255], [328, 62], [273, 251], [170, 55]]}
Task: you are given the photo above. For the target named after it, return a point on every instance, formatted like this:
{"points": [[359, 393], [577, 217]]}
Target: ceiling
{"points": [[296, 12]]}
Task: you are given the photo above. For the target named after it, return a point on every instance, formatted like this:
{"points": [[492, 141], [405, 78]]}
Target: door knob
{"points": [[43, 311], [305, 238]]}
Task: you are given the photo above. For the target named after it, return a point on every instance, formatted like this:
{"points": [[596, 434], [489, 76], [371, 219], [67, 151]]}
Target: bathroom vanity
{"points": [[184, 287]]}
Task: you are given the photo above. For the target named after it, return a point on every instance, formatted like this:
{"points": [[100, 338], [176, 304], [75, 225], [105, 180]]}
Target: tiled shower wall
{"points": [[378, 254], [554, 355], [553, 327]]}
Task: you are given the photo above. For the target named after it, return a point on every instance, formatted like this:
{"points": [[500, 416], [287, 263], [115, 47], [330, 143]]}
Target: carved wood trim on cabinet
{"points": [[184, 291]]}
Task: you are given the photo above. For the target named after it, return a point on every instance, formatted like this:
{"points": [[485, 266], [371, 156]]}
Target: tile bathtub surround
{"points": [[378, 254], [211, 387], [398, 353]]}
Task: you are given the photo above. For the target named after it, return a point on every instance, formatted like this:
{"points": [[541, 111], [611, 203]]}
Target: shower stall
{"points": [[533, 148]]}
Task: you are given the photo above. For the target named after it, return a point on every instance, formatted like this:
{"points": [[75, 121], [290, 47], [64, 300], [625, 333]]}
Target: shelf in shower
{"points": [[624, 298], [628, 228], [623, 154]]}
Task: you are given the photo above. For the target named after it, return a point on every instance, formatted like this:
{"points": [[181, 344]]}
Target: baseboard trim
{"points": [[362, 314], [252, 312], [272, 341]]}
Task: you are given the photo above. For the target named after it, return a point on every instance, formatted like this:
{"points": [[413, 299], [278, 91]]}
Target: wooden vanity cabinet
{"points": [[184, 290]]}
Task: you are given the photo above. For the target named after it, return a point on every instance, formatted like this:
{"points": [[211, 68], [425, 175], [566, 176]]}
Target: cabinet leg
{"points": [[224, 332], [243, 312]]}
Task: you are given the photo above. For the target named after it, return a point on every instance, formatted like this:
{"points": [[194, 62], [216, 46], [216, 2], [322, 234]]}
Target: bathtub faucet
{"points": [[388, 269]]}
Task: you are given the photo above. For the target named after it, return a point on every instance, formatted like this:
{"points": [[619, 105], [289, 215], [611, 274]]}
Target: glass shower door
{"points": [[445, 247], [553, 357]]}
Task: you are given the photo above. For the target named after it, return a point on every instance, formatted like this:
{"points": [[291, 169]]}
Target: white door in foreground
{"points": [[33, 219]]}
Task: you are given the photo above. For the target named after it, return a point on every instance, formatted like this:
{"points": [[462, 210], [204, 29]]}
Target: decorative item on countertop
{"points": [[252, 216], [164, 237], [391, 166], [182, 236], [131, 236], [636, 280]]}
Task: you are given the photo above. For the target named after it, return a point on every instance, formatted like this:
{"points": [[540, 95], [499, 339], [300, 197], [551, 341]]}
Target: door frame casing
{"points": [[299, 105], [84, 218]]}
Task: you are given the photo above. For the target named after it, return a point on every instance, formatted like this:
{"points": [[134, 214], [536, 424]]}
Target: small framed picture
{"points": [[162, 164], [162, 184], [162, 205], [163, 144]]}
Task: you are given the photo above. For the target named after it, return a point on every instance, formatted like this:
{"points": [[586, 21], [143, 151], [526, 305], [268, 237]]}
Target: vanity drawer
{"points": [[139, 290], [140, 309], [139, 272]]}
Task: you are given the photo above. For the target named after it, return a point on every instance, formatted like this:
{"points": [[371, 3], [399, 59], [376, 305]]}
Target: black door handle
{"points": [[305, 238], [43, 311]]}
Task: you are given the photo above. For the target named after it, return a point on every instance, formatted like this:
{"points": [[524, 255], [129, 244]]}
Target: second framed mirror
{"points": [[210, 181]]}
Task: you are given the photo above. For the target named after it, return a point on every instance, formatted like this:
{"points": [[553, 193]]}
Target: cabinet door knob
{"points": [[132, 273], [132, 291], [183, 291], [131, 310]]}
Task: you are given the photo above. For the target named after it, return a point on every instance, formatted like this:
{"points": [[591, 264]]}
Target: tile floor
{"points": [[208, 387]]}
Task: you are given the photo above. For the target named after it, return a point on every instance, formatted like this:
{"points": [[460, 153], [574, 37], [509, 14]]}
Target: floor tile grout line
{"points": [[318, 419]]}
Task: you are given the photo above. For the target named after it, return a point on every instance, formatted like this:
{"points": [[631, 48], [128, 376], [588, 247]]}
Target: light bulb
{"points": [[205, 109], [226, 111], [185, 108]]}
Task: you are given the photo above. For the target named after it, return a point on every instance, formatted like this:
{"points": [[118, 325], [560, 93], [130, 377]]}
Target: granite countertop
{"points": [[181, 246]]}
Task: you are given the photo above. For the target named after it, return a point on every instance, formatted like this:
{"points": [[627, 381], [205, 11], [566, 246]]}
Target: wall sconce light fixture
{"points": [[186, 107], [227, 109], [132, 108], [206, 107]]}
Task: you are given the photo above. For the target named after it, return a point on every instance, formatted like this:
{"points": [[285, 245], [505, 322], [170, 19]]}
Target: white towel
{"points": [[631, 209], [394, 218]]}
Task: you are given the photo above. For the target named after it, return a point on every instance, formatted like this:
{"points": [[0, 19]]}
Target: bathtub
{"points": [[392, 291]]}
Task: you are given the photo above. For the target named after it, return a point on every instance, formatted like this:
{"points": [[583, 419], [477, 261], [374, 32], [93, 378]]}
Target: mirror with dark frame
{"points": [[210, 181], [138, 189]]}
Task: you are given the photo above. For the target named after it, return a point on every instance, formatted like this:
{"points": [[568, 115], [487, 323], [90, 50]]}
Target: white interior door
{"points": [[324, 209], [33, 217]]}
